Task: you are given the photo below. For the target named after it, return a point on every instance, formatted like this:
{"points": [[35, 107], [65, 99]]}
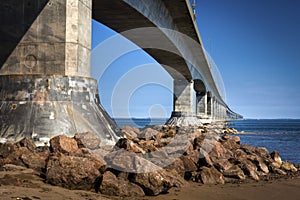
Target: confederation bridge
{"points": [[45, 81]]}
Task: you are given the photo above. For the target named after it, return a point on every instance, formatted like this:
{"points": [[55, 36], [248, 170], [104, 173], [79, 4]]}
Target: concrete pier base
{"points": [[43, 106], [184, 119]]}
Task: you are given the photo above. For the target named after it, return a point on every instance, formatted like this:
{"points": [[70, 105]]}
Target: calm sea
{"points": [[282, 135]]}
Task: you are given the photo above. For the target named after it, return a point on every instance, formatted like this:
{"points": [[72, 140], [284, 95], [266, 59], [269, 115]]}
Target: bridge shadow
{"points": [[16, 17]]}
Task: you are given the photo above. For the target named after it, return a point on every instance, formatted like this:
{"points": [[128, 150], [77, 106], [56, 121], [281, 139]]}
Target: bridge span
{"points": [[45, 48]]}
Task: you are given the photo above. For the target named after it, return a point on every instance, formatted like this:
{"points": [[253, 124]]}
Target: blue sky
{"points": [[255, 43]]}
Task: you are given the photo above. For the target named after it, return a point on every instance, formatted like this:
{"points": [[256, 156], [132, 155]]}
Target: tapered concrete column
{"points": [[214, 109], [201, 107], [183, 106], [45, 81], [209, 106]]}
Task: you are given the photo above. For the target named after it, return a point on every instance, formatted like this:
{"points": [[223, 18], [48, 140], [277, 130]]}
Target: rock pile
{"points": [[146, 162]]}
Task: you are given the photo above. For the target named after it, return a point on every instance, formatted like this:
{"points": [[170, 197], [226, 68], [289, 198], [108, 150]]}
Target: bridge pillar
{"points": [[45, 81], [201, 105], [183, 106]]}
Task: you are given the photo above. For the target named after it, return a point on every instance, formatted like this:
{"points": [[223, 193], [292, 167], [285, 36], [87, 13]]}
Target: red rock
{"points": [[231, 143], [72, 172], [249, 168], [153, 183], [26, 142], [234, 172], [177, 166], [36, 161], [211, 176], [148, 133], [189, 164], [63, 144], [288, 166], [261, 165], [132, 130], [113, 186], [148, 145], [122, 160], [87, 140], [262, 152], [130, 146], [222, 164], [276, 157]]}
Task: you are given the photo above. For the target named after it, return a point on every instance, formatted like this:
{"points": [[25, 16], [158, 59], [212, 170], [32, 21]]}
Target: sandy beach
{"points": [[27, 185]]}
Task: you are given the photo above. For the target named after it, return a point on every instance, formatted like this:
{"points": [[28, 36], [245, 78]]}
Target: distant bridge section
{"points": [[187, 56]]}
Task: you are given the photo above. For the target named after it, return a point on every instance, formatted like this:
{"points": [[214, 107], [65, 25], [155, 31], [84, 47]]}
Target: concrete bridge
{"points": [[45, 48]]}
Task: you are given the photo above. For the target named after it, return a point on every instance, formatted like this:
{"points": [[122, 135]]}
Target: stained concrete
{"points": [[45, 37]]}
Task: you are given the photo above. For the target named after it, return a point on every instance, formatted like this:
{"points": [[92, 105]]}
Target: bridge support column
{"points": [[183, 106], [201, 107], [45, 69]]}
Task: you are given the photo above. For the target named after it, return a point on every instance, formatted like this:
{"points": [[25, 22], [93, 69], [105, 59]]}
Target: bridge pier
{"points": [[45, 83], [183, 107]]}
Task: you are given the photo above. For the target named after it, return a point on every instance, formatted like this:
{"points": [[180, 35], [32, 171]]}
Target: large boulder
{"points": [[189, 164], [211, 176], [129, 145], [112, 186], [234, 172], [88, 140], [36, 161], [153, 183], [73, 172], [248, 168], [276, 157], [288, 166], [63, 144]]}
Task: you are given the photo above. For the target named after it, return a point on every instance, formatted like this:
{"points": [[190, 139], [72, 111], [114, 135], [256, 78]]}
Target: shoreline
{"points": [[29, 186]]}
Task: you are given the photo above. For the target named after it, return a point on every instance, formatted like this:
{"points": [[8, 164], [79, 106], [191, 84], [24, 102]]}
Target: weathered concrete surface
{"points": [[41, 107], [45, 37]]}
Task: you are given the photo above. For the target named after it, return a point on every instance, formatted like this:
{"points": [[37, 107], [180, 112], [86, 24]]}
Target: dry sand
{"points": [[27, 185]]}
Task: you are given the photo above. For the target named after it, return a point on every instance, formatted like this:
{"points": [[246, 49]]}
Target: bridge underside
{"points": [[45, 64]]}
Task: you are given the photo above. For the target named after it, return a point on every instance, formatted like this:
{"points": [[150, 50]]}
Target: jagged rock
{"points": [[222, 164], [261, 165], [262, 152], [276, 157], [130, 146], [249, 168], [26, 142], [288, 166], [234, 172], [279, 171], [148, 133], [205, 161], [148, 145], [211, 176], [36, 161], [87, 140], [219, 151], [73, 172], [122, 160], [232, 143], [131, 131], [113, 186], [12, 167], [153, 183], [177, 166], [250, 150], [63, 144], [13, 155], [189, 164]]}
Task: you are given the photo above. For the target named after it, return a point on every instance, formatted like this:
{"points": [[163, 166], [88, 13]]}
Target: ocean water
{"points": [[282, 135]]}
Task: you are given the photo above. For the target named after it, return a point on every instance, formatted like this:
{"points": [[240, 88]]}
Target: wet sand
{"points": [[28, 186]]}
